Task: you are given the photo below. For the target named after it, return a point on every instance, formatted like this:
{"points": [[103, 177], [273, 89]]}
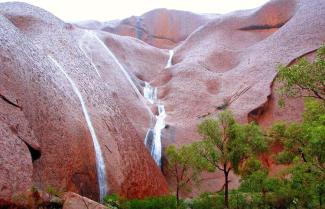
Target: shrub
{"points": [[164, 202]]}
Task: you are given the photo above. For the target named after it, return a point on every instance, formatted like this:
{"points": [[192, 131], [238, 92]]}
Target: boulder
{"points": [[75, 201]]}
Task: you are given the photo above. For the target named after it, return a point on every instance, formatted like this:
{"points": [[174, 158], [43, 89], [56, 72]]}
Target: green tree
{"points": [[184, 167], [304, 149], [263, 190], [304, 79], [226, 145]]}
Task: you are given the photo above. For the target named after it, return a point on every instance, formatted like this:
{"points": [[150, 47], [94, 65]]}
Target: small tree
{"points": [[227, 144], [184, 167], [304, 79], [264, 190], [304, 149]]}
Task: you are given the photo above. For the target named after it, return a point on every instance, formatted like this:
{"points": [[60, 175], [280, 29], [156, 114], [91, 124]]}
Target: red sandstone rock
{"points": [[234, 58], [75, 201], [53, 112], [231, 59], [15, 163], [161, 28]]}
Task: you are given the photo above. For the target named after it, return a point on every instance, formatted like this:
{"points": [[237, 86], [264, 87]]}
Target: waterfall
{"points": [[90, 58], [153, 136], [124, 71], [100, 165], [170, 59], [150, 93], [160, 124], [126, 74]]}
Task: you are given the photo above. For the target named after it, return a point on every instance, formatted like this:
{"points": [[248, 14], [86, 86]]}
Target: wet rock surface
{"points": [[162, 28], [229, 61], [50, 109]]}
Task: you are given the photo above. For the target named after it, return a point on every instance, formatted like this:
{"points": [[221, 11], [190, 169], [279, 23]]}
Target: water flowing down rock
{"points": [[94, 114], [170, 59], [100, 165], [150, 93]]}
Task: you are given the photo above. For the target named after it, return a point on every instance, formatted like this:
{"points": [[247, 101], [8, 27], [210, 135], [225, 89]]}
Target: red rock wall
{"points": [[161, 28], [232, 58], [53, 112]]}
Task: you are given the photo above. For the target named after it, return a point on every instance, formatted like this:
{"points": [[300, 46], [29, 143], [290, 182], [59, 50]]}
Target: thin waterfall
{"points": [[159, 126], [121, 67], [170, 59], [153, 136], [150, 93], [90, 58], [126, 74], [100, 165]]}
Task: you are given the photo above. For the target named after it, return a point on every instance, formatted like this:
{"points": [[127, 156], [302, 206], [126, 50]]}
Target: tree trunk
{"points": [[320, 200], [226, 188], [177, 196]]}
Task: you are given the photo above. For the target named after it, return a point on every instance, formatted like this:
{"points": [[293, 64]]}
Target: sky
{"points": [[103, 10]]}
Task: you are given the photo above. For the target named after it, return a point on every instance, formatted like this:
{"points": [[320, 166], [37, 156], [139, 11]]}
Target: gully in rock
{"points": [[100, 165]]}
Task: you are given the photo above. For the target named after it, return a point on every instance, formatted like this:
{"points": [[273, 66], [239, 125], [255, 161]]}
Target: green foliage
{"points": [[113, 201], [184, 166], [305, 140], [304, 149], [164, 202], [54, 191], [227, 145], [207, 200], [304, 79]]}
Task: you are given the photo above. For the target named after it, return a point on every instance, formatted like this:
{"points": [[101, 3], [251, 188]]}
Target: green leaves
{"points": [[304, 151], [304, 79], [184, 166]]}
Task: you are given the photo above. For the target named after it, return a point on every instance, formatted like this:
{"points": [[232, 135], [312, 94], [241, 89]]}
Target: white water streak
{"points": [[159, 126], [90, 58], [121, 67], [100, 165], [150, 93], [170, 59], [126, 74]]}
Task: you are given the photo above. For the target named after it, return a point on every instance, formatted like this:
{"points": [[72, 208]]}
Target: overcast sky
{"points": [[75, 10]]}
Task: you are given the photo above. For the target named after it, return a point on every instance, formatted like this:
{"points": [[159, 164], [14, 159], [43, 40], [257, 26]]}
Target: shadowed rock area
{"points": [[219, 61]]}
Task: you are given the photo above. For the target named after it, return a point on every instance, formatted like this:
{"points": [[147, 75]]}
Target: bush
{"points": [[164, 202], [207, 201]]}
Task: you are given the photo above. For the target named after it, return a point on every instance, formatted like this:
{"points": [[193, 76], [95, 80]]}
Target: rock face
{"points": [[161, 28], [38, 53], [232, 60], [229, 61], [75, 201]]}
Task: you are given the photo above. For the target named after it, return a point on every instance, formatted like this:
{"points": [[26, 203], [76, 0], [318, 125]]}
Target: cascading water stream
{"points": [[82, 46], [100, 165], [121, 67], [170, 59], [150, 93], [153, 136], [126, 74], [160, 124]]}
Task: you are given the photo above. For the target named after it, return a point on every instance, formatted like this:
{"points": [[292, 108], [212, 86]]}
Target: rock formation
{"points": [[41, 111], [161, 28], [219, 61]]}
